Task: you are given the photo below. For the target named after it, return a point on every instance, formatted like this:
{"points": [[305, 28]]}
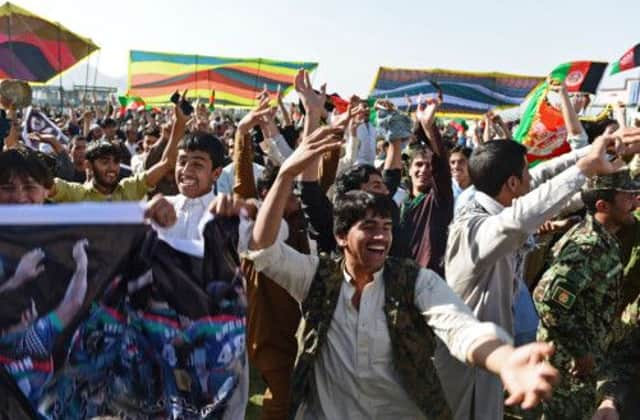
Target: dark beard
{"points": [[99, 180]]}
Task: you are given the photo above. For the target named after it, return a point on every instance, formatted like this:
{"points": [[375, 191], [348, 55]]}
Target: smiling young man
{"points": [[427, 212], [199, 163], [459, 165], [371, 320]]}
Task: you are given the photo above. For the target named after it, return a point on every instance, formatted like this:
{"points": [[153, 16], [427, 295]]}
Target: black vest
{"points": [[412, 340]]}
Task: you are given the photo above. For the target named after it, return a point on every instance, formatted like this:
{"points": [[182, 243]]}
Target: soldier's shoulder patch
{"points": [[563, 297]]}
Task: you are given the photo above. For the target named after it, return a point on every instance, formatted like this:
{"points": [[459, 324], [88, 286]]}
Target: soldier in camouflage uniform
{"points": [[578, 297]]}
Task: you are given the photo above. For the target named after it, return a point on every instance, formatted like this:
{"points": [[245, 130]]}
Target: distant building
{"points": [[49, 95]]}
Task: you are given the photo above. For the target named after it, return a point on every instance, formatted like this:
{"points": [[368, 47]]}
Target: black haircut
{"points": [[466, 151], [77, 138], [267, 178], [594, 129], [152, 131], [204, 142], [24, 164], [492, 163], [99, 149], [414, 150], [109, 122], [351, 207], [591, 197], [352, 178]]}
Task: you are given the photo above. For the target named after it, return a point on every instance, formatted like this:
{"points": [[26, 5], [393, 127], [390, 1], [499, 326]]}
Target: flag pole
{"points": [[9, 23], [60, 67]]}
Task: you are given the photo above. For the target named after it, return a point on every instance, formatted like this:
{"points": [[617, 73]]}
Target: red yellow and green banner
{"points": [[154, 76]]}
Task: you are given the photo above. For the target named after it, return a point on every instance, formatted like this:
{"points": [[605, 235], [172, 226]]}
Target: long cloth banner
{"points": [[465, 94], [100, 317], [155, 76]]}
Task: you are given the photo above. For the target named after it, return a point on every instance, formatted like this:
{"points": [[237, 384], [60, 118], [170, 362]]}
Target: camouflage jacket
{"points": [[412, 341], [622, 368], [578, 297]]}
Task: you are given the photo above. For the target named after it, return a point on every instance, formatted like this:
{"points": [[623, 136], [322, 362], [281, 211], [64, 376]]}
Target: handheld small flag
{"points": [[629, 60], [580, 76]]}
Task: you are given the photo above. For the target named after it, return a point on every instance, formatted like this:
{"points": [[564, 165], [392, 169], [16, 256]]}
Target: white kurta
{"points": [[354, 376]]}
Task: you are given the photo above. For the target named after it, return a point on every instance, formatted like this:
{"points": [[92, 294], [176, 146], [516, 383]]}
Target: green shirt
{"points": [[132, 188]]}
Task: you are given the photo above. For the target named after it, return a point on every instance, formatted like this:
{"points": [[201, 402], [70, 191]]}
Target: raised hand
{"points": [[254, 117], [79, 253], [322, 140], [625, 141], [29, 267], [313, 102], [527, 377]]}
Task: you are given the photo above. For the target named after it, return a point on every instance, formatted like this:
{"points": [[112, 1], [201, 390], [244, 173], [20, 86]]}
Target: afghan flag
{"points": [[338, 102], [212, 100], [130, 103], [542, 128], [629, 60], [580, 76]]}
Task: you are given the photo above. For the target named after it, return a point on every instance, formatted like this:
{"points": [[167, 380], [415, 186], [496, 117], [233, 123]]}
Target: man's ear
{"points": [[602, 206], [216, 173], [512, 183], [341, 241]]}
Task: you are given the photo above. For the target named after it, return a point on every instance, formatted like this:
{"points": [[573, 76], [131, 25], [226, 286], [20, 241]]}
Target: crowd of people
{"points": [[404, 269]]}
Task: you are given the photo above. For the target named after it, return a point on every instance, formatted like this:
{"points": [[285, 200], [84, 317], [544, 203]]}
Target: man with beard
{"points": [[103, 161], [579, 296]]}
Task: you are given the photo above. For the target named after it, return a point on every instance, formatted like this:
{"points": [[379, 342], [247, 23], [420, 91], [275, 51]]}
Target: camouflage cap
{"points": [[619, 181]]}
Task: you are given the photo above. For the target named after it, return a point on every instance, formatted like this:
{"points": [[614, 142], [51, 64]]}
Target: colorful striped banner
{"points": [[465, 94], [155, 76]]}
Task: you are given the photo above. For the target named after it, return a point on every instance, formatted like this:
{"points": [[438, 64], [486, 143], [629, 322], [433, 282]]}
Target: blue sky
{"points": [[350, 39]]}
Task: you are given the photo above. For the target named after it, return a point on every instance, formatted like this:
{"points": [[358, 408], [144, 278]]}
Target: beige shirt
{"points": [[481, 265], [354, 375]]}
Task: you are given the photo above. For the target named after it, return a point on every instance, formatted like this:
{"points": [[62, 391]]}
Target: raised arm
{"points": [[426, 117], [169, 156], [244, 183], [267, 223], [569, 115], [286, 117], [77, 288], [527, 213], [314, 106]]}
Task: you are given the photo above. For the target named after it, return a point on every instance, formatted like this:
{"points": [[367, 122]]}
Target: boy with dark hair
{"points": [[24, 178], [198, 166]]}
